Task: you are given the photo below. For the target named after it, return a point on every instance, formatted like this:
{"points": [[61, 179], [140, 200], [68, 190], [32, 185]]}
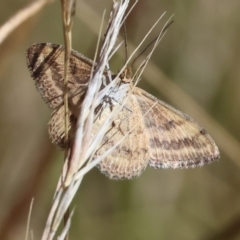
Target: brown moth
{"points": [[163, 136]]}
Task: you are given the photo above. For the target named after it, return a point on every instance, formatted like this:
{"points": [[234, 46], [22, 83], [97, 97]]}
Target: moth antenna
{"points": [[125, 42], [154, 40]]}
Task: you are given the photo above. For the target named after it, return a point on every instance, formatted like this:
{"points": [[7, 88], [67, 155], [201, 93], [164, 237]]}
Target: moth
{"points": [[157, 134]]}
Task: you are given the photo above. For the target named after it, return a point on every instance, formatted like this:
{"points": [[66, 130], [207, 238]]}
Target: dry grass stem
{"points": [[66, 227], [20, 17], [74, 163], [68, 10], [79, 155]]}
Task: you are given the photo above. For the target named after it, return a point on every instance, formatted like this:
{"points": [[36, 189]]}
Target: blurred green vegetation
{"points": [[200, 53]]}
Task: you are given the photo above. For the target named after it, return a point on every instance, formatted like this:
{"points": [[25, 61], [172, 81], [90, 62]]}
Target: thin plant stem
{"points": [[68, 10], [21, 16]]}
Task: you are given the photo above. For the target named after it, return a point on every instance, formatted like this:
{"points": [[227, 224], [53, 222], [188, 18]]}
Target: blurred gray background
{"points": [[198, 71]]}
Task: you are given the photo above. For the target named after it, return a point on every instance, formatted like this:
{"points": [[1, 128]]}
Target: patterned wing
{"points": [[56, 127], [130, 158], [46, 65], [174, 139]]}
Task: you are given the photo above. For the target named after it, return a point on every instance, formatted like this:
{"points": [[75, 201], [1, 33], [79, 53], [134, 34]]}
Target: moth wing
{"points": [[175, 140], [56, 127], [130, 158], [46, 65]]}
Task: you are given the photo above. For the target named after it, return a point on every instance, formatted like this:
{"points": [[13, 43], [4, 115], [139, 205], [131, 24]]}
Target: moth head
{"points": [[126, 75]]}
